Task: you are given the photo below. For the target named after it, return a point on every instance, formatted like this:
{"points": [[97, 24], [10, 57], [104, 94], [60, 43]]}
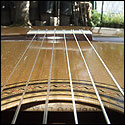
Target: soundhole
{"points": [[35, 117], [30, 115]]}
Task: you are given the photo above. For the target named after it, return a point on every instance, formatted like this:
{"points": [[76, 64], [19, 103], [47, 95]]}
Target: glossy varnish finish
{"points": [[111, 53]]}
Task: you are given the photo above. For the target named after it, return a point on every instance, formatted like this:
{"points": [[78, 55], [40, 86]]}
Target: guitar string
{"points": [[73, 99], [17, 63], [45, 115], [94, 86], [116, 83], [21, 100], [52, 50]]}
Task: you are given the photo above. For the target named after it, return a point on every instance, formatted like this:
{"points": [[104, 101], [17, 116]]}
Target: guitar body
{"points": [[60, 106]]}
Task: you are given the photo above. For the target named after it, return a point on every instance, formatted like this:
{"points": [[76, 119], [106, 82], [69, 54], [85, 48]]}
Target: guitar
{"points": [[51, 75]]}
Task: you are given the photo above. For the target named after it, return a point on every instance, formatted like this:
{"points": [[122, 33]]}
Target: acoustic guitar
{"points": [[59, 75]]}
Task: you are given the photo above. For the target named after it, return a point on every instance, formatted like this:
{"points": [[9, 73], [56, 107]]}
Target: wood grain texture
{"points": [[111, 53]]}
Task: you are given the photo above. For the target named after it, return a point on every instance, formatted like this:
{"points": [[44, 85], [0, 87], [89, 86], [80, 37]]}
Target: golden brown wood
{"points": [[111, 53]]}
